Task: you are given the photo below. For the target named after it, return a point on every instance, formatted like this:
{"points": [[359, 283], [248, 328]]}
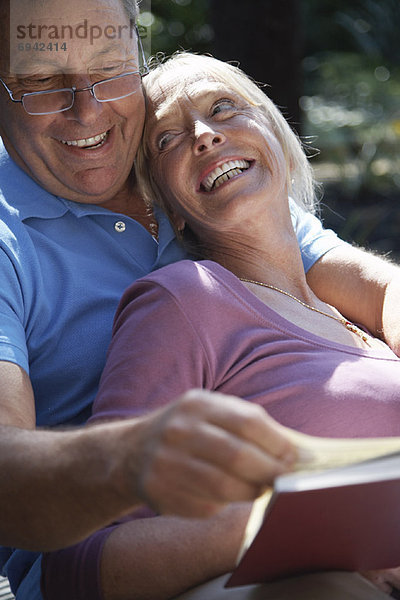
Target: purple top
{"points": [[194, 324]]}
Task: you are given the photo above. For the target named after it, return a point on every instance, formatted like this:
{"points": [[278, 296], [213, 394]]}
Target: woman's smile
{"points": [[224, 172]]}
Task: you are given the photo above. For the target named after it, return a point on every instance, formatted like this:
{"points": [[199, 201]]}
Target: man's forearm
{"points": [[363, 287], [391, 313], [58, 487], [190, 458]]}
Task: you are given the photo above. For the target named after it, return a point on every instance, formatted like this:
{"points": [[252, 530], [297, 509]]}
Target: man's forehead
{"points": [[45, 33], [73, 10]]}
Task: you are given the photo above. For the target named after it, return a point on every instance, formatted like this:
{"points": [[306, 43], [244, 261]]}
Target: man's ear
{"points": [[178, 222]]}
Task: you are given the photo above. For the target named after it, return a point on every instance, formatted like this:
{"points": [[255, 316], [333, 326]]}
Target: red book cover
{"points": [[342, 519]]}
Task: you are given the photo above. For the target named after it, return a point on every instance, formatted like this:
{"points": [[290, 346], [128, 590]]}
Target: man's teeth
{"points": [[92, 142], [223, 173]]}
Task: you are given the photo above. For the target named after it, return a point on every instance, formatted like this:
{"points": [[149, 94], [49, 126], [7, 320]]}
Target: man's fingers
{"points": [[199, 485], [379, 579], [386, 579], [246, 420], [231, 454]]}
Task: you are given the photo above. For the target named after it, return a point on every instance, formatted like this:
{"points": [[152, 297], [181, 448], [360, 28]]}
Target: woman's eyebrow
{"points": [[198, 96], [166, 111]]}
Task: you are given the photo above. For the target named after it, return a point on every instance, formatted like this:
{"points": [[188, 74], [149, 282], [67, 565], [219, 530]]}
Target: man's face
{"points": [[86, 153]]}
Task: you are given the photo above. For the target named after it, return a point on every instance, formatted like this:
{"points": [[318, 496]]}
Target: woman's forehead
{"points": [[174, 87]]}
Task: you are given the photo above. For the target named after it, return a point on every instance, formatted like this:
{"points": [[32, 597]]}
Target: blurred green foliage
{"points": [[352, 90], [351, 110], [179, 24]]}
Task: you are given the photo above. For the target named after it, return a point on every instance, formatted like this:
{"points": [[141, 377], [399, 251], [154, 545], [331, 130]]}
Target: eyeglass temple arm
{"points": [[140, 45], [10, 92]]}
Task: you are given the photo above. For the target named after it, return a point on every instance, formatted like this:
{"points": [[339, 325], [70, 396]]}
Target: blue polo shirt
{"points": [[63, 268]]}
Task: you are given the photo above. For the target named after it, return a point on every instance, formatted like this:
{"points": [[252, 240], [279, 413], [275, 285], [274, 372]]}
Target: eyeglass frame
{"points": [[142, 71]]}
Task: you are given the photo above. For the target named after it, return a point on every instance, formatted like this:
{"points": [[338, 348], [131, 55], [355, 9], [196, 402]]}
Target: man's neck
{"points": [[129, 202]]}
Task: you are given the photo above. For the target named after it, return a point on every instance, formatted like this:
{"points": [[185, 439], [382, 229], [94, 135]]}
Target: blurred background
{"points": [[333, 67]]}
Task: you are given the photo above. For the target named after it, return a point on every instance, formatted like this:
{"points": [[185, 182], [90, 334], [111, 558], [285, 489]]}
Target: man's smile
{"points": [[92, 142]]}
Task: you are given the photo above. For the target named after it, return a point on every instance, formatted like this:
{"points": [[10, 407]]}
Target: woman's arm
{"points": [[158, 558]]}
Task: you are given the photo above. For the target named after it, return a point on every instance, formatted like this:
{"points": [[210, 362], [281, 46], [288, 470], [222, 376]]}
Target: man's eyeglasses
{"points": [[107, 90], [54, 101]]}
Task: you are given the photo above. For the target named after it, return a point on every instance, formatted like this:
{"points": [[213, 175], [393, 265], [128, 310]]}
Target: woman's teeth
{"points": [[90, 143], [223, 173]]}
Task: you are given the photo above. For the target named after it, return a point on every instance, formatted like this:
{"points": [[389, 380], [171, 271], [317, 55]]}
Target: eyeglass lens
{"points": [[48, 102], [60, 100], [115, 89]]}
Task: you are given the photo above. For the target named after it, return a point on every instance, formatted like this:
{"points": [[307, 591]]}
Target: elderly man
{"points": [[74, 234]]}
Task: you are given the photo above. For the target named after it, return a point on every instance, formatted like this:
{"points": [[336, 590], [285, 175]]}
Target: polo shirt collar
{"points": [[32, 201]]}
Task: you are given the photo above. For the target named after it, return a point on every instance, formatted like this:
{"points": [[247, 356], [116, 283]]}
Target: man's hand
{"points": [[387, 580], [206, 450]]}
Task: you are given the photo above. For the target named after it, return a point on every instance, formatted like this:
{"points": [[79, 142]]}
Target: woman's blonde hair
{"points": [[300, 178]]}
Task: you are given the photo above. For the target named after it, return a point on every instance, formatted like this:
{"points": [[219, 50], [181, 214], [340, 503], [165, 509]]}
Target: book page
{"points": [[317, 453], [254, 521]]}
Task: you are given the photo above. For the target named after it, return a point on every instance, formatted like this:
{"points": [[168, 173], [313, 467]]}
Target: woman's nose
{"points": [[206, 137]]}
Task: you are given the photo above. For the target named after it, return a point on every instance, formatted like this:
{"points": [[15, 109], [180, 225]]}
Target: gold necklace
{"points": [[348, 324]]}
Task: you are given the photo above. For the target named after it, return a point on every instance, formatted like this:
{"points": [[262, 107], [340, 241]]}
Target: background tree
{"points": [[265, 37]]}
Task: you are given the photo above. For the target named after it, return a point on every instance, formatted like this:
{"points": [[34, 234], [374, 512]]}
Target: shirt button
{"points": [[120, 226]]}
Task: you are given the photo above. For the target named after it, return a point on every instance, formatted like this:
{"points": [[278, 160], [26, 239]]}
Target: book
{"points": [[338, 510]]}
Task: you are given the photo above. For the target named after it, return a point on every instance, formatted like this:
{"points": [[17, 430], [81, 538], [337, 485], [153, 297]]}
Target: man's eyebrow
{"points": [[115, 47], [29, 66]]}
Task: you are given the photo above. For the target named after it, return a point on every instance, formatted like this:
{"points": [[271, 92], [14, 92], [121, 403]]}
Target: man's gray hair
{"points": [[131, 8]]}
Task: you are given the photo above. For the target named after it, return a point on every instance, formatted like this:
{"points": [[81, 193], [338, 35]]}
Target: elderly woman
{"points": [[221, 160]]}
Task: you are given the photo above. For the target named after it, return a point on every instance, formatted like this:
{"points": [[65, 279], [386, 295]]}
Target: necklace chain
{"points": [[348, 324]]}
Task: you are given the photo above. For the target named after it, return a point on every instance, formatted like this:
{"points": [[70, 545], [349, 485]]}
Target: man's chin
{"points": [[96, 187]]}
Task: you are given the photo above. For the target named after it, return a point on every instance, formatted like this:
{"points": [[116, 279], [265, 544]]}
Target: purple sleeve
{"points": [[73, 573], [154, 356]]}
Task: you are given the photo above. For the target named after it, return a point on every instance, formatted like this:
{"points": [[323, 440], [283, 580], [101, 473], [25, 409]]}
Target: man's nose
{"points": [[206, 137], [86, 109]]}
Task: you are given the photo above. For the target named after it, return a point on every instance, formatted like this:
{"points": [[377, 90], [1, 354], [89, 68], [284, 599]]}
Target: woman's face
{"points": [[213, 155]]}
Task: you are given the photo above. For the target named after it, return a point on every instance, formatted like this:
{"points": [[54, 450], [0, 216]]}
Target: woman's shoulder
{"points": [[189, 274], [194, 286], [193, 289]]}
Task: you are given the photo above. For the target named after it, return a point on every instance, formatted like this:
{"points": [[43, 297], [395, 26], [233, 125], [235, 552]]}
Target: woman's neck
{"points": [[266, 257]]}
